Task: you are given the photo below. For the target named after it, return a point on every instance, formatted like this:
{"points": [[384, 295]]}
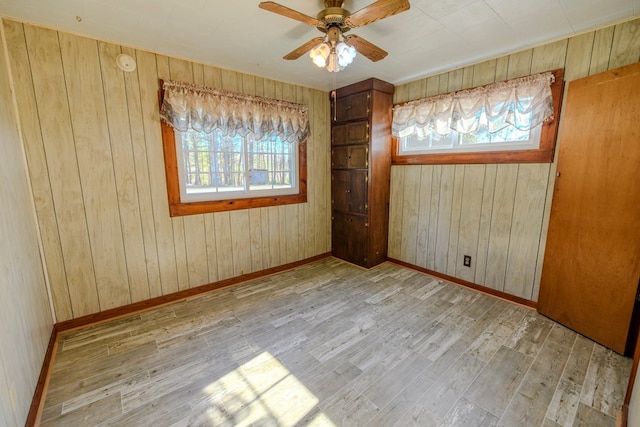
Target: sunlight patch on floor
{"points": [[262, 391]]}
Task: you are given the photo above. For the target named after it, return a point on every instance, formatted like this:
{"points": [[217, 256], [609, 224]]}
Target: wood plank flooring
{"points": [[329, 343]]}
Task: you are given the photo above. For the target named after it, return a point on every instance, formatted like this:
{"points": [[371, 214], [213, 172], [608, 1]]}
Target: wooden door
{"points": [[592, 260]]}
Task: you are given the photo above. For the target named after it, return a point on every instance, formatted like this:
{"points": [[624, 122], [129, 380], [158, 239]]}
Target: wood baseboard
{"points": [[499, 294], [622, 418], [156, 302], [37, 403]]}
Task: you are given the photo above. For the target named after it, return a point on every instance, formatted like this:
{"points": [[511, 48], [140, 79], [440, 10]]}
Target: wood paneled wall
{"points": [[25, 313], [94, 149], [497, 214]]}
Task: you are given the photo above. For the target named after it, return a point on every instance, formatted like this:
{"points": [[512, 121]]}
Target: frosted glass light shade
{"points": [[320, 54]]}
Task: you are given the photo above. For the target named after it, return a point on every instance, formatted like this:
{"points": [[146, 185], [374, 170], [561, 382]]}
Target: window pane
{"points": [[212, 162], [213, 166], [271, 164]]}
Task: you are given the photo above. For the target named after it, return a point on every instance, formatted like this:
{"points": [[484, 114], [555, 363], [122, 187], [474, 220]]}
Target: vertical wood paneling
{"points": [[312, 180], [443, 227], [240, 239], [25, 313], [454, 223], [148, 78], [91, 136], [424, 215], [626, 44], [484, 228], [212, 255], [396, 198], [223, 245], [443, 83], [525, 228], [467, 77], [322, 142], [124, 169], [401, 94], [484, 73], [433, 215], [141, 169], [502, 215], [455, 80], [471, 208], [601, 50], [38, 169], [578, 56], [57, 136], [502, 68], [549, 56], [410, 205], [519, 64]]}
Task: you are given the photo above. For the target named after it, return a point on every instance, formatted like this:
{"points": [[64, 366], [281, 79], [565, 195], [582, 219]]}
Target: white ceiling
{"points": [[431, 37]]}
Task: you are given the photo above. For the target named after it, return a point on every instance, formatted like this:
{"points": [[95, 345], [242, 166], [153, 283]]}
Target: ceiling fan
{"points": [[334, 51]]}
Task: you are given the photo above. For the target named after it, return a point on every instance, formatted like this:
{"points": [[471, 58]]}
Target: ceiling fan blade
{"points": [[376, 11], [289, 13], [366, 48], [298, 52]]}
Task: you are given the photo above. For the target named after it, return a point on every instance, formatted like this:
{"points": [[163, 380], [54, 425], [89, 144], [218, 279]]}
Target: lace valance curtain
{"points": [[522, 103], [203, 109]]}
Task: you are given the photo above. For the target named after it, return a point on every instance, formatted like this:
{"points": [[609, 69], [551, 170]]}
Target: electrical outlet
{"points": [[467, 261], [13, 397]]}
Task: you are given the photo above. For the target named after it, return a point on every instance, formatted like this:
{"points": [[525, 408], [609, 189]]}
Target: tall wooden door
{"points": [[592, 260]]}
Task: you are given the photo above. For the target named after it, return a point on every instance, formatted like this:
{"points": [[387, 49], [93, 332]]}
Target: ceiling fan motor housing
{"points": [[333, 17]]}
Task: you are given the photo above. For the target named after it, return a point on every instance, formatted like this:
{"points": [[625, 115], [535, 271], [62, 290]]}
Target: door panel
{"points": [[340, 157], [352, 107], [359, 183], [358, 156], [349, 238], [592, 258], [340, 189], [350, 133]]}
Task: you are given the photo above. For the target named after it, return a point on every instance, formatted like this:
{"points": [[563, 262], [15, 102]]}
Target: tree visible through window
{"points": [[216, 166]]}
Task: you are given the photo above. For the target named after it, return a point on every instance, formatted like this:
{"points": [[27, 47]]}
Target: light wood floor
{"points": [[332, 344]]}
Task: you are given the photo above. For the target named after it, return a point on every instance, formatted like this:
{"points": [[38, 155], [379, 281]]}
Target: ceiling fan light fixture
{"points": [[333, 56], [346, 54], [320, 54]]}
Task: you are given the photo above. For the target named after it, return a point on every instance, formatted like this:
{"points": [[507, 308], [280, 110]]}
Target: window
{"points": [[506, 139], [507, 122], [226, 151], [213, 166]]}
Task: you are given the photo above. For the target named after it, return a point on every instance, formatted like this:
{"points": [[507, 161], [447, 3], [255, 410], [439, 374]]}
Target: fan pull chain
{"points": [[333, 97]]}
